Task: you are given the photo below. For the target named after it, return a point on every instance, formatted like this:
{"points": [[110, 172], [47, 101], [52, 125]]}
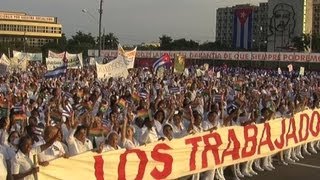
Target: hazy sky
{"points": [[133, 21]]}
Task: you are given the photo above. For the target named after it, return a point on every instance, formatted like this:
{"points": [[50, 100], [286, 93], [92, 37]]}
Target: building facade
{"points": [[316, 18], [243, 26], [288, 19], [31, 31]]}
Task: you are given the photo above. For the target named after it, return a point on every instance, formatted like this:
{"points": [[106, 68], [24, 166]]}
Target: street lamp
{"points": [[100, 10], [92, 16]]}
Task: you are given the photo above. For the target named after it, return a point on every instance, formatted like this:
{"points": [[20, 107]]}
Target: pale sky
{"points": [[132, 21]]}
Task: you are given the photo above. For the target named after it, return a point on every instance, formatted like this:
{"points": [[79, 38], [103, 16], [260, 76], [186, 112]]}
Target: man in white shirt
{"points": [[179, 130], [149, 132], [54, 151]]}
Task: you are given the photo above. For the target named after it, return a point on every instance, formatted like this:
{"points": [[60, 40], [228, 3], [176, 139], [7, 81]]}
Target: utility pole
{"points": [[100, 19]]}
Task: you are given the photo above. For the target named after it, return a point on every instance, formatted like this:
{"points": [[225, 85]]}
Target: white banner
{"points": [[129, 56], [17, 64], [5, 60], [52, 54], [221, 55], [53, 63], [115, 68], [27, 56]]}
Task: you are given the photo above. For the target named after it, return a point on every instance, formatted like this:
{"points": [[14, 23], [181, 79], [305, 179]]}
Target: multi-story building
{"points": [[316, 18], [288, 19], [243, 26], [32, 31]]}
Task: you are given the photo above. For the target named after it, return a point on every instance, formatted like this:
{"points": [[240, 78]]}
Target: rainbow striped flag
{"points": [[98, 131], [20, 117], [122, 103], [135, 97], [143, 113]]}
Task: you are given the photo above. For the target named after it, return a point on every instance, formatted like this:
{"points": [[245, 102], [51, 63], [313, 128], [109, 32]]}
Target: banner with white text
{"points": [[27, 56], [191, 154]]}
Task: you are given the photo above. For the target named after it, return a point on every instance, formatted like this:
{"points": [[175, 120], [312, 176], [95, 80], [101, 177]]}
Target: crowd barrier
{"points": [[191, 154]]}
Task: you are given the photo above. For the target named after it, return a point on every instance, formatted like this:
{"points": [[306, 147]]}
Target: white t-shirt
{"points": [[77, 147], [3, 164], [128, 144], [206, 125], [107, 148], [149, 136], [179, 132], [56, 150], [22, 163]]}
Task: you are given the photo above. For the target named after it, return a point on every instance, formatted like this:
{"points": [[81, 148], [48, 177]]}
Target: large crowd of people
{"points": [[44, 119]]}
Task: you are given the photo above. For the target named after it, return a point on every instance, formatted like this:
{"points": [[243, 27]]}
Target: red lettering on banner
{"points": [[123, 160], [252, 139], [304, 118], [194, 142], [292, 135], [234, 152], [315, 132], [266, 131], [160, 157], [214, 148], [98, 167], [280, 142], [226, 56], [302, 58]]}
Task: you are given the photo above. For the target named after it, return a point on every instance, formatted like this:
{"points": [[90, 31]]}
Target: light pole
{"points": [[100, 19], [100, 10]]}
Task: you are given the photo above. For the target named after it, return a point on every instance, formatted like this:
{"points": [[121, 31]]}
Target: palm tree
{"points": [[110, 41]]}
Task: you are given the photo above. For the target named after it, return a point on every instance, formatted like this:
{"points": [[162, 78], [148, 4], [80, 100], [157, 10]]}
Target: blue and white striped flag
{"points": [[59, 71]]}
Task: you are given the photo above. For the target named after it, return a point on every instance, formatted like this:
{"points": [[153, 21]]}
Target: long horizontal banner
{"points": [[191, 154], [27, 56], [221, 55]]}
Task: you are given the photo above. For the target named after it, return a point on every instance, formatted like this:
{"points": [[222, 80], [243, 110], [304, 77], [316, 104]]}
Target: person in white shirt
{"points": [[3, 163], [127, 139], [149, 132], [22, 166], [179, 129], [56, 150], [111, 143], [78, 142], [167, 132], [4, 126]]}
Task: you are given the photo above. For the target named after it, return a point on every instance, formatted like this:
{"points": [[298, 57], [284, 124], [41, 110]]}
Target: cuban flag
{"points": [[59, 71], [242, 28], [163, 60]]}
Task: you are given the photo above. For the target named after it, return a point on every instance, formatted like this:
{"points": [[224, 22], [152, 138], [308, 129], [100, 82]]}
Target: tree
{"points": [[301, 43], [81, 42], [165, 42], [110, 41]]}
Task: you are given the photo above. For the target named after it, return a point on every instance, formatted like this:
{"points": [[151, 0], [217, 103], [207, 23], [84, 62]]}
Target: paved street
{"points": [[306, 169]]}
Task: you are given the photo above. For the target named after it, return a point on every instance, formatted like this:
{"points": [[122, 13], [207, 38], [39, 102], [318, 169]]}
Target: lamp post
{"points": [[99, 23], [100, 19]]}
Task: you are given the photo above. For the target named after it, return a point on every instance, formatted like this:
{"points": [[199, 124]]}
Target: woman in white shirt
{"points": [[22, 166], [127, 133], [111, 143]]}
